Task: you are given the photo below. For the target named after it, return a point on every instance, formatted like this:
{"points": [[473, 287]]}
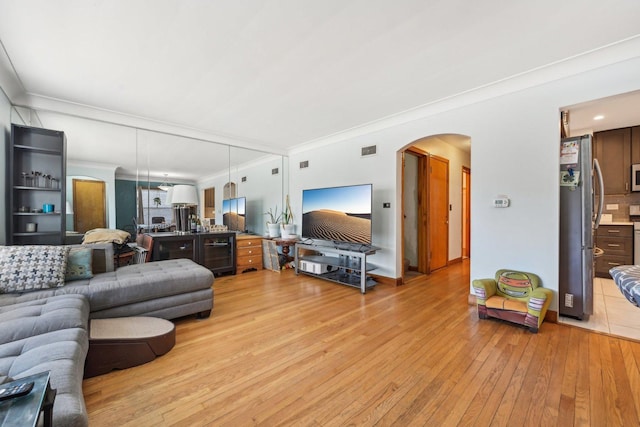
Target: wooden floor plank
{"points": [[281, 349]]}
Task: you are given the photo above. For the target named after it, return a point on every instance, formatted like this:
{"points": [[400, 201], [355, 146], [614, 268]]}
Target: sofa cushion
{"points": [[32, 267], [31, 318], [63, 354], [149, 281], [79, 264], [503, 303], [132, 284]]}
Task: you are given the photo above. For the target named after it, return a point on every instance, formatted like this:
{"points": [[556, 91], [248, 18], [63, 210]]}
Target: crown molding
{"points": [[10, 83], [54, 105], [610, 54], [91, 165]]}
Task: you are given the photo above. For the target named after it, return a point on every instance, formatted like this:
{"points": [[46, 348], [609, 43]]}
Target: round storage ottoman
{"points": [[124, 342]]}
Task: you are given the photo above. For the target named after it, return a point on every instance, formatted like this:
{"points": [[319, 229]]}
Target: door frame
{"points": [[422, 208], [466, 213]]}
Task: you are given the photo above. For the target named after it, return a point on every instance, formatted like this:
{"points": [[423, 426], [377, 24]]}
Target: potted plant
{"points": [[288, 227], [273, 222]]}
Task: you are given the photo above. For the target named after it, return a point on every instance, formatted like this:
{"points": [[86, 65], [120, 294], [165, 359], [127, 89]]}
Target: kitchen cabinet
{"points": [[36, 166], [612, 148], [635, 144], [617, 243]]}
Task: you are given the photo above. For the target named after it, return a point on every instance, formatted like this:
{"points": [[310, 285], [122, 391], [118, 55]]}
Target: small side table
{"points": [[25, 410], [286, 244]]}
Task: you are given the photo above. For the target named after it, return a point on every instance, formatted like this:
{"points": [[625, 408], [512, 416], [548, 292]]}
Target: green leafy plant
{"points": [[157, 201], [287, 214], [274, 216]]}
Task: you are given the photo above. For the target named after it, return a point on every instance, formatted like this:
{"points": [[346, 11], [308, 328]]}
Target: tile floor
{"points": [[612, 313]]}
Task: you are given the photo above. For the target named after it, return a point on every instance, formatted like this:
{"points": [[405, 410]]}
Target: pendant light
{"points": [[165, 186]]}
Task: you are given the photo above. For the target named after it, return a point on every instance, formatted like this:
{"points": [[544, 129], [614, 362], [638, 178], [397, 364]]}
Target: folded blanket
{"points": [[106, 235]]}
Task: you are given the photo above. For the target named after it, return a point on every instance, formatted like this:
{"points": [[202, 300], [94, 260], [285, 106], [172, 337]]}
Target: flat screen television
{"points": [[234, 214], [338, 214]]}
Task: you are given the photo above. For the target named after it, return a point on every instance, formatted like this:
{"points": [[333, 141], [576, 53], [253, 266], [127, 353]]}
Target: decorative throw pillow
{"points": [[79, 264], [30, 268], [515, 284]]}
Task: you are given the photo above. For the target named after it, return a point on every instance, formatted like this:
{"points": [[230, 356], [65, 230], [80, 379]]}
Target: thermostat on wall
{"points": [[501, 202]]}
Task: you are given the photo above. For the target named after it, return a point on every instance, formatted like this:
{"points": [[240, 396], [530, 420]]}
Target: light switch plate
{"points": [[501, 202], [612, 206]]}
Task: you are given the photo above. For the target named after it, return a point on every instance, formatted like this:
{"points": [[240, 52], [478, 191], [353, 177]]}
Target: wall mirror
{"points": [[132, 164]]}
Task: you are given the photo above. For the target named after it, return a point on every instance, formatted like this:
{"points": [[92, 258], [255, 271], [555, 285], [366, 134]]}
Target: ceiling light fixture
{"points": [[165, 186], [598, 117]]}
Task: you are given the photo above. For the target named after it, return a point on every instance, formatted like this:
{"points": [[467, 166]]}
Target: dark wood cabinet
{"points": [[635, 144], [36, 196], [216, 251], [613, 150], [617, 243]]}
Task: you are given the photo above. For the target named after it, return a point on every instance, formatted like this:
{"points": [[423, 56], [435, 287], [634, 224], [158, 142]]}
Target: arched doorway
{"points": [[435, 202]]}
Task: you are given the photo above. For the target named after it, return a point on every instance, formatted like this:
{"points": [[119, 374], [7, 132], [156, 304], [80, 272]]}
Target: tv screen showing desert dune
{"points": [[340, 214]]}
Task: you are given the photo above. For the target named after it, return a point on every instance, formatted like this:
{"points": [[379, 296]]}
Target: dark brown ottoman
{"points": [[124, 342]]}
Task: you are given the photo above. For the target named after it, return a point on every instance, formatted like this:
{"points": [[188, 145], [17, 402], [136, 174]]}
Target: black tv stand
{"points": [[343, 263]]}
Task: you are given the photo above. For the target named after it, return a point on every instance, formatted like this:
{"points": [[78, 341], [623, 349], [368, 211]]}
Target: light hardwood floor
{"points": [[281, 349]]}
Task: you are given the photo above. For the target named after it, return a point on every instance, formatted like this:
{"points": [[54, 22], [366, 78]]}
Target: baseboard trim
{"points": [[384, 280]]}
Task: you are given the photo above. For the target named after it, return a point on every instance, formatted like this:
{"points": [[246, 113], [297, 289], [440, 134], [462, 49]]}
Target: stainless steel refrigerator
{"points": [[580, 214]]}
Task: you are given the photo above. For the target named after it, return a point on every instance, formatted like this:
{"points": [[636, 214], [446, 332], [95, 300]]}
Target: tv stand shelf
{"points": [[343, 265]]}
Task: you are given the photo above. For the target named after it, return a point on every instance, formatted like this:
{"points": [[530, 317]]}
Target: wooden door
{"points": [[210, 202], [438, 212], [466, 212], [89, 205]]}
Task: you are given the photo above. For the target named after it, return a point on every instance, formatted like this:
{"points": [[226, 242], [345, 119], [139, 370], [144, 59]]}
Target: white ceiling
{"points": [[280, 74]]}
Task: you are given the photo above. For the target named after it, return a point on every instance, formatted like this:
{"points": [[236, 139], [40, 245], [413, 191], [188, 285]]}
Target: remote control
{"points": [[15, 390]]}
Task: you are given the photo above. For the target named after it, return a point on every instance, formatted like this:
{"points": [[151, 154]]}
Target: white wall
{"points": [[515, 140], [341, 164], [262, 189]]}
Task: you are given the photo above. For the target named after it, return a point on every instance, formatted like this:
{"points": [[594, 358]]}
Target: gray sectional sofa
{"points": [[48, 329]]}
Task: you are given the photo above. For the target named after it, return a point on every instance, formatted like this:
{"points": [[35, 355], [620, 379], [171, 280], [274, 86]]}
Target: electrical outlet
{"points": [[568, 300]]}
